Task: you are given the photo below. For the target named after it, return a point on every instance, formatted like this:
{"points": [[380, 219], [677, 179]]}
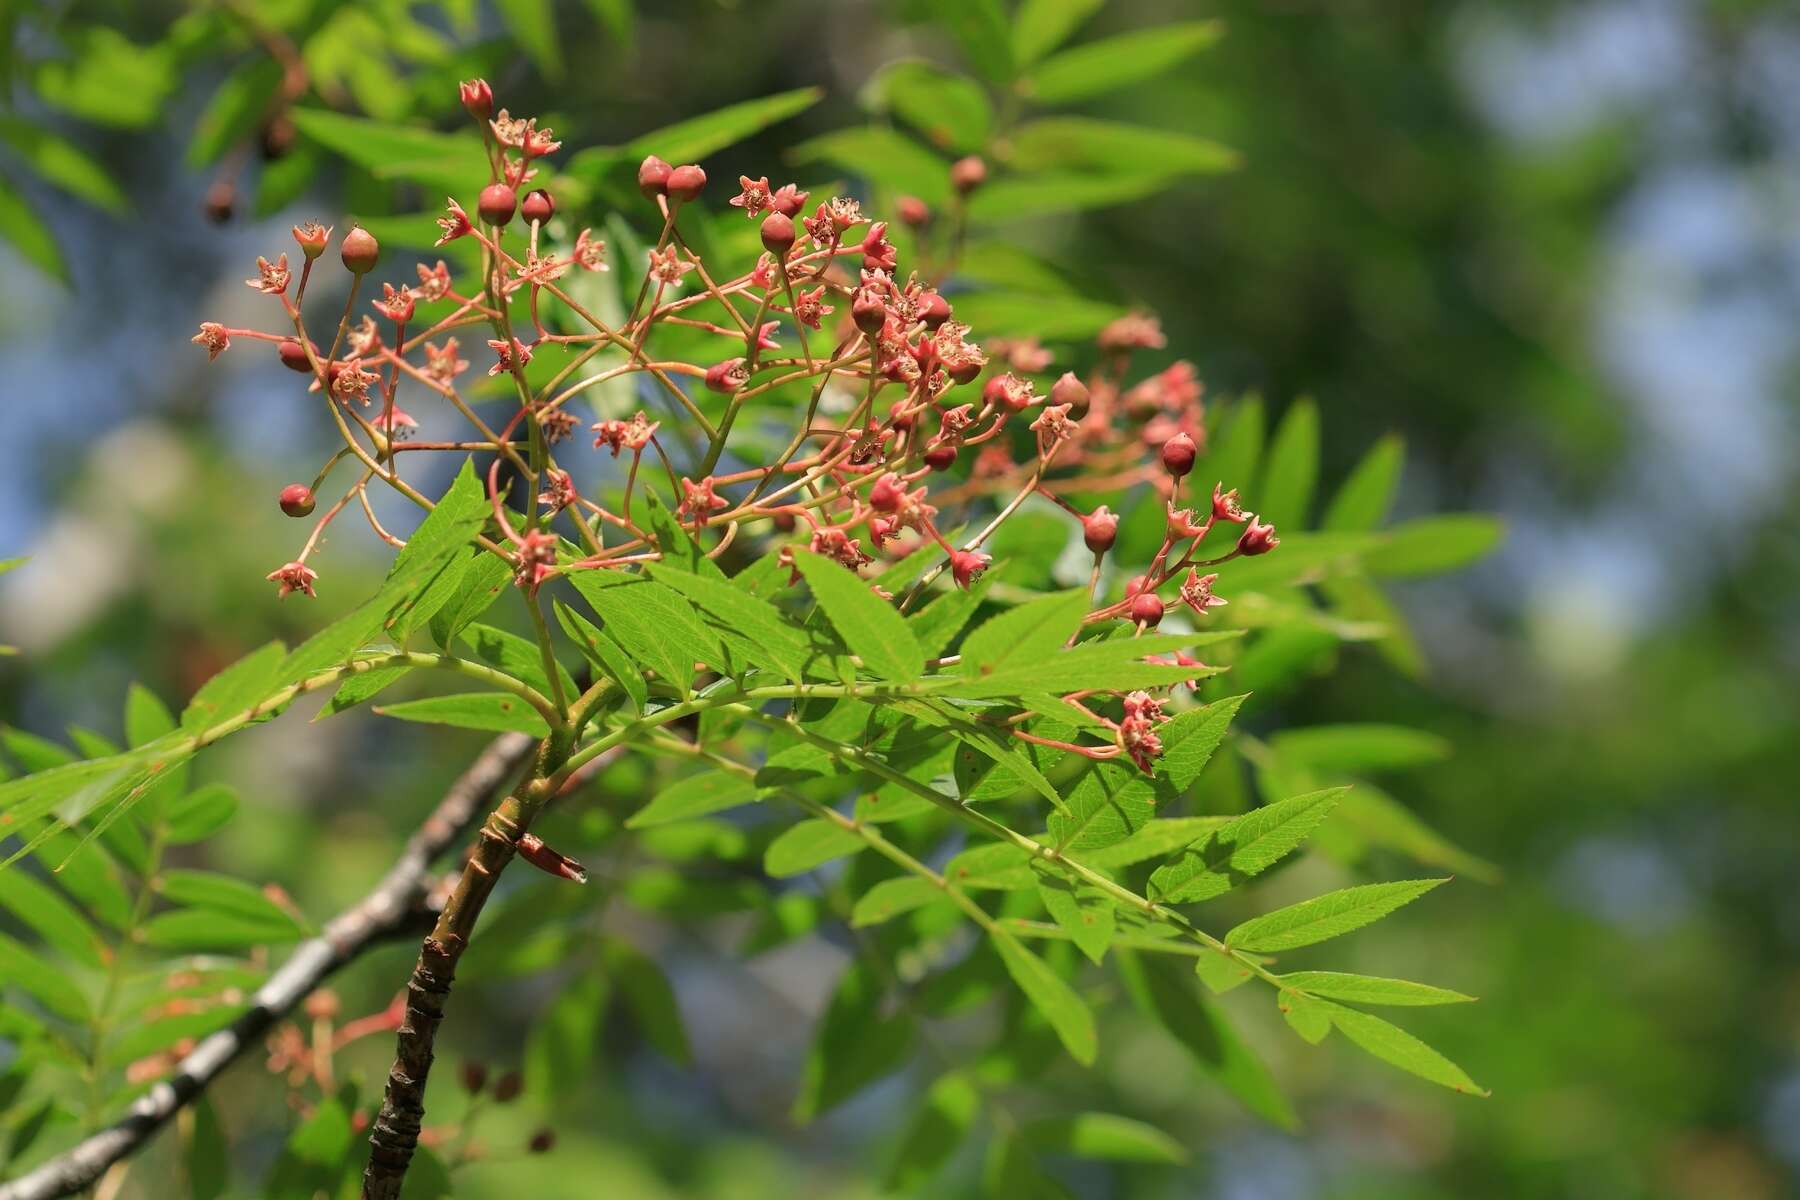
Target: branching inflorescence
{"points": [[849, 427]]}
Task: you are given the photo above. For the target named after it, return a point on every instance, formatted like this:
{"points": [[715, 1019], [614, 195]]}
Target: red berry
{"points": [[478, 98], [542, 1141], [1147, 609], [940, 456], [474, 1076], [1178, 455], [778, 234], [538, 207], [360, 251], [965, 372], [653, 177], [497, 203], [293, 355], [509, 1087], [1100, 529], [297, 500], [785, 521], [967, 174], [685, 183]]}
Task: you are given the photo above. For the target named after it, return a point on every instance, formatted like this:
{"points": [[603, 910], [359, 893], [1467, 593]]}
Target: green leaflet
{"points": [[1114, 147], [604, 653], [1370, 989], [938, 623], [443, 161], [1362, 500], [1084, 913], [935, 1131], [1040, 26], [1114, 664], [1163, 990], [223, 893], [1241, 849], [755, 629], [650, 622], [496, 712], [1110, 802], [516, 656], [1354, 749], [1326, 916], [1104, 1136], [1024, 635], [855, 1045], [883, 156], [1113, 63], [199, 814], [1305, 1016], [1051, 995], [868, 625], [951, 110], [696, 796], [236, 688], [199, 929], [1394, 1045], [646, 992], [1190, 738], [51, 917], [1284, 493], [893, 897], [809, 844], [1434, 545]]}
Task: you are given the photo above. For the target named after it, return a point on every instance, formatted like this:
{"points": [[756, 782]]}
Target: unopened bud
{"points": [[868, 311], [360, 251], [967, 174], [653, 177], [543, 1141], [940, 456], [477, 98], [538, 207], [778, 234], [533, 850], [1070, 391], [912, 211], [293, 355], [685, 183], [297, 500], [474, 1076], [1257, 538], [509, 1087], [934, 310], [497, 203], [1178, 455], [1147, 609], [1100, 529]]}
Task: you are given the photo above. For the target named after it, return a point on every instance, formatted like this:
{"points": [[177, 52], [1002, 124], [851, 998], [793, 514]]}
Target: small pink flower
{"points": [[1133, 331], [394, 424], [699, 500], [810, 308], [788, 200], [352, 382], [272, 277], [878, 252], [590, 252], [765, 337], [667, 266], [455, 225], [634, 434], [839, 546], [534, 561], [364, 338], [434, 282], [396, 304], [443, 363], [506, 355], [293, 577], [754, 196], [1225, 505], [212, 335], [1197, 593], [559, 490], [965, 565]]}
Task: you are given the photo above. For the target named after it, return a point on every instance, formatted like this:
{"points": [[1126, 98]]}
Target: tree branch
{"points": [[384, 911]]}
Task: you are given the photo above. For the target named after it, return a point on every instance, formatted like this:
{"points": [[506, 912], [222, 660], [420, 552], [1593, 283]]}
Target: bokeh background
{"points": [[1554, 244]]}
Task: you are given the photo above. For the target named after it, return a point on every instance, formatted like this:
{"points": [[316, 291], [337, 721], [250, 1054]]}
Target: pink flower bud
{"points": [[967, 174], [1257, 538], [1178, 455], [1099, 529], [912, 211], [1070, 391], [509, 1087], [360, 251], [474, 1076], [1147, 609], [538, 207], [293, 356], [934, 310], [868, 311], [297, 499], [477, 98], [727, 376], [778, 234], [653, 177], [888, 493], [940, 456], [685, 183], [497, 203]]}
